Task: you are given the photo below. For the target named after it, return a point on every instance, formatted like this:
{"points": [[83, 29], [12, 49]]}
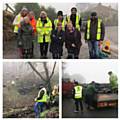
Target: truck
{"points": [[104, 97], [67, 87]]}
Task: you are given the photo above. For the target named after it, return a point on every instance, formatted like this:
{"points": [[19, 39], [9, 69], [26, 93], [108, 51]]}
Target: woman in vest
{"points": [[43, 27], [94, 33], [25, 37], [18, 19], [57, 39], [72, 41]]}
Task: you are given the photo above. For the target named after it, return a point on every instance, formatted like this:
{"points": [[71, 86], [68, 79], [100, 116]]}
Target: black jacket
{"points": [[73, 19], [57, 40], [93, 30], [73, 38]]}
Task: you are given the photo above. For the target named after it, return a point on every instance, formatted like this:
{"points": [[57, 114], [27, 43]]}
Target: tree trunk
{"points": [[47, 77]]}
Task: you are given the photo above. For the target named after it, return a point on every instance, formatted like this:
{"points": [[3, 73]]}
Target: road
{"points": [[10, 49], [68, 111]]}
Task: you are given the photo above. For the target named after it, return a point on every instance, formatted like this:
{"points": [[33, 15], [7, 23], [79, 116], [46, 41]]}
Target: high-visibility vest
{"points": [[41, 30], [44, 97], [98, 35], [78, 91], [16, 26], [76, 23], [63, 23]]}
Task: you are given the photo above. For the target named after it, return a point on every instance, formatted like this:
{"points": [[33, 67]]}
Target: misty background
{"points": [[86, 72], [66, 7]]}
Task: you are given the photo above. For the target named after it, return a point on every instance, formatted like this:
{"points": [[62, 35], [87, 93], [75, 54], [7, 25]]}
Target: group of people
{"points": [[63, 30], [42, 101], [91, 92]]}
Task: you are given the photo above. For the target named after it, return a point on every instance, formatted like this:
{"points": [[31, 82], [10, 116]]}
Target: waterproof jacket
{"points": [[91, 90], [44, 28], [33, 23], [73, 38], [113, 81]]}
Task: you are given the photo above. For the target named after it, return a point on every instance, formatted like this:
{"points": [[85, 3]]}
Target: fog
{"points": [[66, 7], [92, 70]]}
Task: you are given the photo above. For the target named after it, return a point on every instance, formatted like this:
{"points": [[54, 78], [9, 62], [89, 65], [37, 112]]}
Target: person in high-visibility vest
{"points": [[16, 23], [94, 33], [77, 96], [44, 28], [40, 101], [19, 18], [113, 81], [60, 18], [74, 18]]}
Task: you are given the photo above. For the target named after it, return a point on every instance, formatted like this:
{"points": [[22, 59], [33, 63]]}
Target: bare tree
{"points": [[48, 76]]}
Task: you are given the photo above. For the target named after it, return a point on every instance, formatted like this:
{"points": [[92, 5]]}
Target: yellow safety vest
{"points": [[45, 96], [77, 21], [41, 30], [16, 26], [98, 36], [78, 92], [63, 23]]}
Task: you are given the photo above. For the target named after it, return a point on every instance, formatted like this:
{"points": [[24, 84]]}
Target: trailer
{"points": [[106, 100]]}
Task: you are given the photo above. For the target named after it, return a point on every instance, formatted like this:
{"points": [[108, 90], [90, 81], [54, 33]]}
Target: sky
{"points": [[22, 68], [92, 70], [65, 7]]}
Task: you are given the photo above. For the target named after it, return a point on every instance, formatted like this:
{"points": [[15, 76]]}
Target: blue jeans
{"points": [[94, 50], [38, 108]]}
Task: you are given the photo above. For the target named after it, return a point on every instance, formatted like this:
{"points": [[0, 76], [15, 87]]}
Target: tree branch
{"points": [[52, 71], [34, 69]]}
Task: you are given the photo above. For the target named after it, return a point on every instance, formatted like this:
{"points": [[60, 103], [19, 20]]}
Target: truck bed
{"points": [[107, 100], [107, 97]]}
